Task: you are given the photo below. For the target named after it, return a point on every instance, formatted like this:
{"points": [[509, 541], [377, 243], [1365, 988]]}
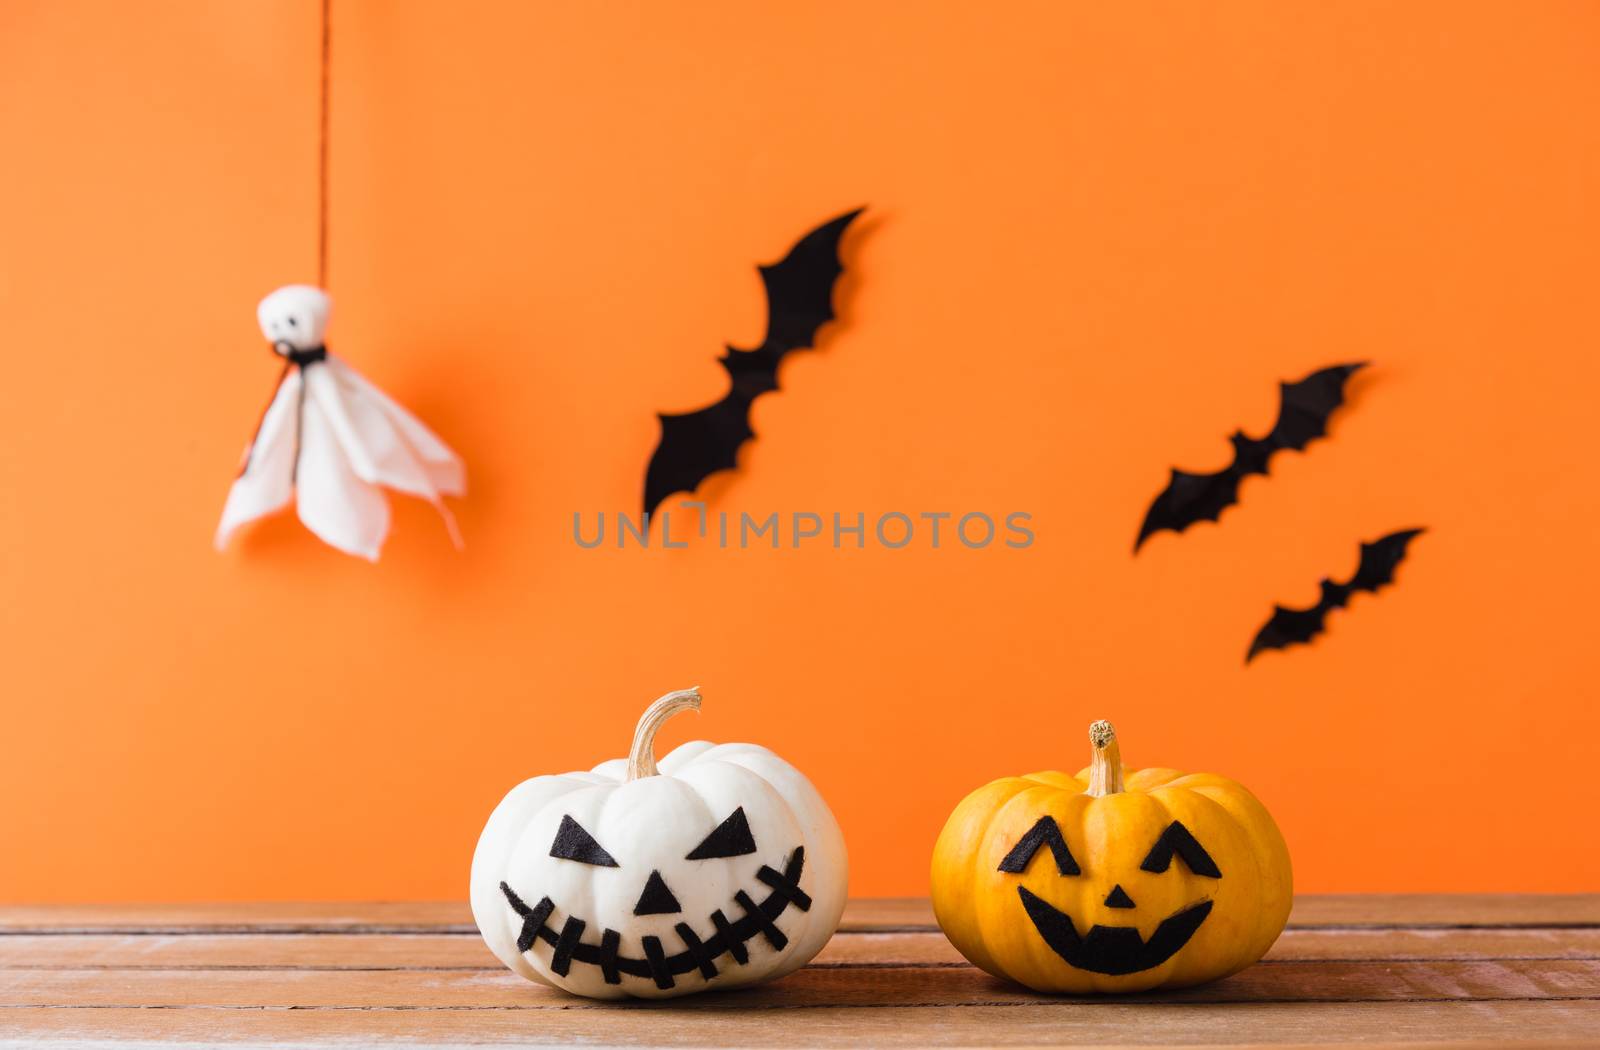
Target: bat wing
{"points": [[1303, 411], [695, 445], [800, 288], [1290, 626], [1305, 407], [1376, 569], [340, 507], [1380, 558], [1189, 498], [266, 484]]}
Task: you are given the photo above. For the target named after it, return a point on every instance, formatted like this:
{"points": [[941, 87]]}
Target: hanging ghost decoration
{"points": [[331, 441]]}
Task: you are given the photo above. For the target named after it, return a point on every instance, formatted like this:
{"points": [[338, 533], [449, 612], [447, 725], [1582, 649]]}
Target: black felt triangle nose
{"points": [[656, 899], [1118, 898]]}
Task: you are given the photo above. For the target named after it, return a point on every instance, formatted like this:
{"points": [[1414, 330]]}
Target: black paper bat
{"points": [[1289, 626], [799, 301], [1302, 417]]}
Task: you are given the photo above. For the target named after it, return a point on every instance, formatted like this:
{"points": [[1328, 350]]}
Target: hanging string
{"points": [[322, 151], [300, 358]]}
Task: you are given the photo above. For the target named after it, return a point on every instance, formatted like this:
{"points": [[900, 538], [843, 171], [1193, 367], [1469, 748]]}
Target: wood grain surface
{"points": [[1380, 970]]}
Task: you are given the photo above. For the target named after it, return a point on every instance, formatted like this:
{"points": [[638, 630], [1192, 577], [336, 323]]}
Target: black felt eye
{"points": [[573, 843], [293, 323], [1177, 839], [731, 838], [1045, 832]]}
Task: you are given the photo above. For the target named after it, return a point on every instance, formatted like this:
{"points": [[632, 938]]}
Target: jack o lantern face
{"points": [[704, 943], [1112, 949]]}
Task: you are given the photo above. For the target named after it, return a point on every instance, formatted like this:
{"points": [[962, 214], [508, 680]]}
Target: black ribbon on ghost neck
{"points": [[292, 357], [296, 356]]}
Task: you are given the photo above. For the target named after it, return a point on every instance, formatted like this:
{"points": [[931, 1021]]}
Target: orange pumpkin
{"points": [[1111, 882]]}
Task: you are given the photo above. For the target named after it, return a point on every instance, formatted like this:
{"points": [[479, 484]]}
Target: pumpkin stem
{"points": [[1105, 768], [642, 756]]}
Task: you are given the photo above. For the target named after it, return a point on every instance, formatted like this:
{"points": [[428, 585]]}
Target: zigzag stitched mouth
{"points": [[697, 954]]}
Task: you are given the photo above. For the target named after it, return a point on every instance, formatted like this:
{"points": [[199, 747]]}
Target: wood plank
{"points": [[307, 951], [1447, 909], [1402, 945], [1103, 1024], [887, 913], [462, 951], [368, 916], [896, 987], [865, 914], [882, 914], [346, 916], [283, 916], [1511, 970]]}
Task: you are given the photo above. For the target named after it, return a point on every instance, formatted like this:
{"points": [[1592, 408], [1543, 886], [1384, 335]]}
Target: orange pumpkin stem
{"points": [[642, 756], [1105, 767]]}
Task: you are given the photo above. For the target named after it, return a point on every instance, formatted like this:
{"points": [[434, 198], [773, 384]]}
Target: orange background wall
{"points": [[1099, 235]]}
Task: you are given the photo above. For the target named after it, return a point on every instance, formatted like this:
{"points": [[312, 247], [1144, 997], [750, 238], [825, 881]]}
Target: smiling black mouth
{"points": [[1112, 950], [697, 954]]}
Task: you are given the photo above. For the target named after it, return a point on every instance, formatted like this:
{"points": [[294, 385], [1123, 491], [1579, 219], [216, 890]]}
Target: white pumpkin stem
{"points": [[642, 756], [1105, 768]]}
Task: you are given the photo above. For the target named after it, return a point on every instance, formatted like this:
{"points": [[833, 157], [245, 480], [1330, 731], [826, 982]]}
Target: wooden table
{"points": [[1451, 971]]}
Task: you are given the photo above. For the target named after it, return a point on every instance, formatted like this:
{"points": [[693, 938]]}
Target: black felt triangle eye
{"points": [[731, 838], [1046, 832], [1177, 839], [573, 843]]}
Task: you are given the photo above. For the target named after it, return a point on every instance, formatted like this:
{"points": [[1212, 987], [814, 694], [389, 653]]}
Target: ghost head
{"points": [[294, 317]]}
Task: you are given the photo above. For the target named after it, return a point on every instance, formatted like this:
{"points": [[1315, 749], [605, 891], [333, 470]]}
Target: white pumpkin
{"points": [[718, 868]]}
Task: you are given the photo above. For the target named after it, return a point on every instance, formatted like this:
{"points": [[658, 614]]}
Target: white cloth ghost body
{"points": [[331, 441]]}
